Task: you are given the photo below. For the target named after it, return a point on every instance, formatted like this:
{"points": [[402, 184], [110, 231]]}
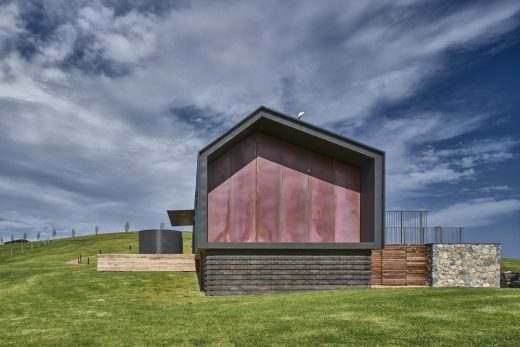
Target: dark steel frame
{"points": [[290, 129]]}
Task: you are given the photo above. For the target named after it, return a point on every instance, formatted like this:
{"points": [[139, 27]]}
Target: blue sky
{"points": [[105, 104]]}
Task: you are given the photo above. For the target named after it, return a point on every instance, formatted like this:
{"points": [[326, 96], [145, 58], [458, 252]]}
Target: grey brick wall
{"points": [[244, 272]]}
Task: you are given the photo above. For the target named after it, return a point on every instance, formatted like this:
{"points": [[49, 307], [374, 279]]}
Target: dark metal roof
{"points": [[264, 112], [181, 217]]}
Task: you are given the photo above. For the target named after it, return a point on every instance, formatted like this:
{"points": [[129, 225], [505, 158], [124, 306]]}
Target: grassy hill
{"points": [[46, 302], [510, 264]]}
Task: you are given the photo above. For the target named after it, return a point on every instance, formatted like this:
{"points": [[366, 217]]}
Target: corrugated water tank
{"points": [[157, 241]]}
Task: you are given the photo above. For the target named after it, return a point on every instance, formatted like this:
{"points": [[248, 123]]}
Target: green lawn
{"points": [[46, 302], [510, 264]]}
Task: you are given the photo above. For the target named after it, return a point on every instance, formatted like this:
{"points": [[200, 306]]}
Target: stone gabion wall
{"points": [[510, 279], [463, 265]]}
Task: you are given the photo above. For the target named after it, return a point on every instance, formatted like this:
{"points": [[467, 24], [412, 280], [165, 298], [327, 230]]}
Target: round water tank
{"points": [[156, 241]]}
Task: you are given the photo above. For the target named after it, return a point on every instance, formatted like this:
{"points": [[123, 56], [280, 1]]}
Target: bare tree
{"points": [[127, 226], [73, 232], [1, 240], [96, 230], [25, 236], [38, 236], [53, 233]]}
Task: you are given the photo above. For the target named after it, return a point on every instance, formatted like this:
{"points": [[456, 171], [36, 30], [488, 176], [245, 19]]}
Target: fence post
{"points": [[401, 227]]}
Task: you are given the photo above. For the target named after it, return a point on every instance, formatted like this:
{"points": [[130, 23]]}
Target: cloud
{"points": [[413, 163], [495, 189], [105, 104], [476, 213], [476, 152], [451, 165]]}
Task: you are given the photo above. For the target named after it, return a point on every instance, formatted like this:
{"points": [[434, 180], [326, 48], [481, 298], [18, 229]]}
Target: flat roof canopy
{"points": [[181, 217]]}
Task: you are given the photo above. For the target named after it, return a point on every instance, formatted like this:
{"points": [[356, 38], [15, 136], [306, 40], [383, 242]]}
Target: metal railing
{"points": [[410, 227], [407, 235]]}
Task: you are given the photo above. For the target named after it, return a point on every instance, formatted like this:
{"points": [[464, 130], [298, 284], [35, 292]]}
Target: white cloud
{"points": [[495, 189], [114, 146], [10, 23], [476, 213]]}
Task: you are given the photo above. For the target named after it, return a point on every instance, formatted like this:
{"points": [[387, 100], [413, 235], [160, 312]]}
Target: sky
{"points": [[104, 104]]}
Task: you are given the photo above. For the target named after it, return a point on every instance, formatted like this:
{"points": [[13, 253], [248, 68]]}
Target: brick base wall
{"points": [[244, 272]]}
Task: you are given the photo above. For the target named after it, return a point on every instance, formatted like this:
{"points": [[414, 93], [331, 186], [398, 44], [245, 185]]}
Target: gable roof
{"points": [[370, 160], [293, 130]]}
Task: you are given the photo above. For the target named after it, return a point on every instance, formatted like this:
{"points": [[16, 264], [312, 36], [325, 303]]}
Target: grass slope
{"points": [[510, 264], [46, 302]]}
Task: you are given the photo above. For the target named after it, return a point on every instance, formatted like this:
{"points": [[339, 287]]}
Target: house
{"points": [[281, 204]]}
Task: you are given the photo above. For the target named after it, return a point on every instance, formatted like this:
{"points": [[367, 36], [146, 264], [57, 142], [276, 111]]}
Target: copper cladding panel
{"points": [[219, 188], [321, 196], [243, 192], [269, 189], [295, 187], [346, 203]]}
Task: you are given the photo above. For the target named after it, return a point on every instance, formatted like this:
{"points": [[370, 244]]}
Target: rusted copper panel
{"points": [[219, 188], [321, 195], [219, 171], [243, 201], [347, 176], [347, 203], [269, 148], [218, 213], [243, 153], [295, 184], [269, 189]]}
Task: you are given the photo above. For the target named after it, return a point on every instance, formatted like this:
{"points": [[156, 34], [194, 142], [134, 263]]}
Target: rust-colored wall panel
{"points": [[243, 201], [269, 189], [269, 201], [295, 187], [269, 148], [321, 198], [346, 217], [346, 203], [243, 153], [347, 176], [220, 171], [294, 206], [218, 213], [219, 188]]}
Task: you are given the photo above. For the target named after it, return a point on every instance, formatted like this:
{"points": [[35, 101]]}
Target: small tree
{"points": [[38, 236], [73, 232], [53, 233], [12, 238], [1, 240], [96, 230], [127, 226], [161, 226]]}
